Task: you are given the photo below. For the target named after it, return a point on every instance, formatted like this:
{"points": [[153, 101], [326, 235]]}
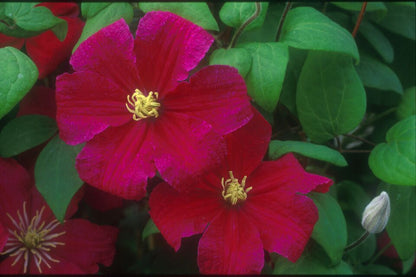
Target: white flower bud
{"points": [[376, 214]]}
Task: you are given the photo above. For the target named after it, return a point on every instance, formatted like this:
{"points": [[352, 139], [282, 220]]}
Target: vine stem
{"points": [[282, 19], [244, 25], [360, 17], [360, 138], [357, 242]]}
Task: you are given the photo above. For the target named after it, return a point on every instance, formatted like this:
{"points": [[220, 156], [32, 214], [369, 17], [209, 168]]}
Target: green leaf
{"points": [[17, 76], [378, 40], [90, 9], [402, 224], [234, 14], [375, 74], [60, 30], [55, 175], [105, 17], [239, 58], [330, 97], [331, 230], [376, 269], [352, 197], [356, 6], [198, 13], [149, 229], [268, 68], [400, 19], [408, 264], [25, 132], [306, 28], [407, 106], [278, 148], [394, 161]]}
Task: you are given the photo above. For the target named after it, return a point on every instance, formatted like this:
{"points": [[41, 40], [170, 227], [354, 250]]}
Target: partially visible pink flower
{"points": [[46, 50], [131, 101], [37, 242], [242, 208]]}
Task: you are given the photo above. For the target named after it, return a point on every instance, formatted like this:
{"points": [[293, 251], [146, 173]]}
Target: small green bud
{"points": [[376, 214]]}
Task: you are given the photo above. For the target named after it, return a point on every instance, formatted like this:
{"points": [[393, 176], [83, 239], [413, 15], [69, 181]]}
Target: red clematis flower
{"points": [[243, 207], [4, 235], [46, 50], [37, 242], [129, 99]]}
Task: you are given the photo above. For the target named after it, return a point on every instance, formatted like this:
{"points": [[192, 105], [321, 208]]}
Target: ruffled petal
{"points": [[185, 148], [167, 47], [109, 53], [11, 41], [61, 9], [47, 51], [179, 215], [118, 161], [39, 100], [216, 94], [230, 245], [285, 221], [87, 104], [86, 245]]}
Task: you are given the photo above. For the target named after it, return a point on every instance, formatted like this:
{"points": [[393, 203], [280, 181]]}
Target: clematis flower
{"points": [[4, 235], [131, 101], [242, 208], [37, 242], [45, 49]]}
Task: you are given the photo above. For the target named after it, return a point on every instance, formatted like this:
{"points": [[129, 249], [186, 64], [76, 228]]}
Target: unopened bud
{"points": [[376, 214]]}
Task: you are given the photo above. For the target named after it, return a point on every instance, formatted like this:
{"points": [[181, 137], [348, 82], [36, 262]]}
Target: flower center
{"points": [[143, 106], [233, 191], [32, 239]]}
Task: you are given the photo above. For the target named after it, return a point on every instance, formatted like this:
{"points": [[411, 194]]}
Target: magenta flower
{"points": [[4, 235], [36, 241], [129, 99], [243, 207]]}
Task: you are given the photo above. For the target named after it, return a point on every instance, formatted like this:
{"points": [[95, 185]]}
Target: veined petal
{"points": [[109, 53], [118, 161], [230, 245], [47, 51], [217, 94], [87, 104], [179, 215], [167, 47], [185, 148], [285, 221]]}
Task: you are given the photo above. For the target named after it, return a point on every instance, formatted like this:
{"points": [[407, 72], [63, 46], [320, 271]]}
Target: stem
{"points": [[375, 257], [244, 25], [354, 151], [381, 115], [360, 138], [282, 19], [360, 17], [357, 242], [338, 144]]}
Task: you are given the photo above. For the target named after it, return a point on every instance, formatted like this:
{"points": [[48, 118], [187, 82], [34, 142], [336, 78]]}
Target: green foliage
{"points": [[197, 12], [407, 106], [352, 197], [394, 161], [330, 98], [402, 224], [104, 16], [377, 40], [356, 6], [306, 28], [278, 148], [375, 269], [265, 78], [234, 14], [55, 175], [149, 229], [25, 132], [400, 19], [17, 76], [239, 58], [90, 9], [331, 230]]}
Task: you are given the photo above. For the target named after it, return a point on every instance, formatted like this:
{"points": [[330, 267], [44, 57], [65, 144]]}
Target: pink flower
{"points": [[243, 207], [37, 242], [46, 50], [131, 101], [4, 235]]}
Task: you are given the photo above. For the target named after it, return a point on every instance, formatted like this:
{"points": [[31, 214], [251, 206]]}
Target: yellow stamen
{"points": [[143, 106], [233, 191]]}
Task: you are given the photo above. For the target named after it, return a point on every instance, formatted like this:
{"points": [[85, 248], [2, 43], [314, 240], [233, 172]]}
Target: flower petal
{"points": [[167, 47], [86, 105], [61, 9], [179, 215], [86, 245], [4, 236], [109, 52], [6, 267], [230, 245], [118, 161], [185, 148], [47, 51], [216, 94], [11, 41], [39, 100]]}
